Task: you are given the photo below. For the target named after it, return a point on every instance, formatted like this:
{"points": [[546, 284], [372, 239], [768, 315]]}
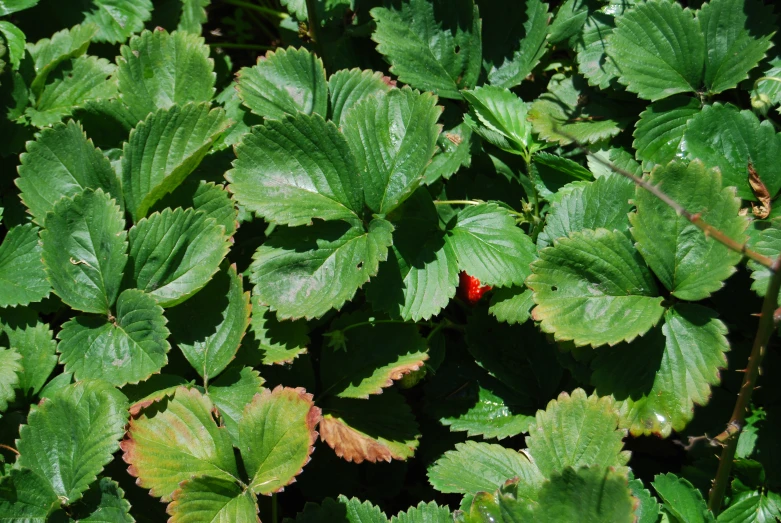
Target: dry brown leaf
{"points": [[762, 209]]}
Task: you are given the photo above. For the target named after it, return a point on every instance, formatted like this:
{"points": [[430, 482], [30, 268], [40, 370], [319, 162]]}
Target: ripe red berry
{"points": [[469, 288]]}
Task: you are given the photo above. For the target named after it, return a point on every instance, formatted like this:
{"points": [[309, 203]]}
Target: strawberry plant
{"points": [[389, 261]]}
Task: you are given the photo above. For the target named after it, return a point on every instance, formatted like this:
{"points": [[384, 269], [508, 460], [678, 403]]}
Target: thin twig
{"points": [[767, 325], [9, 448], [694, 218]]}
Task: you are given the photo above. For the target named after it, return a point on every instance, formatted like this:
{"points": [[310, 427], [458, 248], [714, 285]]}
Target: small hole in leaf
{"points": [[360, 265], [458, 49], [554, 288]]}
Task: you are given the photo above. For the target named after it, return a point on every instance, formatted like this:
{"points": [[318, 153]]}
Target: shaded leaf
{"points": [[61, 161], [231, 392], [158, 70], [34, 341], [165, 148], [9, 376], [723, 137], [126, 349], [209, 327], [424, 513], [349, 87], [84, 245], [71, 459], [277, 341], [432, 46], [659, 134], [48, 53], [307, 271], [342, 510], [174, 254], [512, 305], [104, 502], [210, 198], [26, 496], [380, 428], [393, 138], [118, 19], [22, 276], [375, 356], [657, 380], [681, 499]]}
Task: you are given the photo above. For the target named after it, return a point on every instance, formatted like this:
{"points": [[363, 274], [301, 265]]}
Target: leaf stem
{"points": [[260, 9], [274, 515], [693, 218], [767, 324], [230, 45], [457, 202]]}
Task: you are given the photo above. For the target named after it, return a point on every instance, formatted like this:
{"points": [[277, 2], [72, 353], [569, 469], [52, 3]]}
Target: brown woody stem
{"points": [[694, 218], [767, 324]]}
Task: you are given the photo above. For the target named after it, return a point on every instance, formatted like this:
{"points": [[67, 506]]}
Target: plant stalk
{"points": [[274, 515], [767, 324], [693, 218]]}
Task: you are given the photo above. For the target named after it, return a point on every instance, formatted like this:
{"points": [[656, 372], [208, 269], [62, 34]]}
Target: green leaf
{"points": [[512, 305], [489, 246], [593, 59], [509, 71], [84, 245], [287, 81], [756, 507], [570, 17], [616, 156], [393, 138], [164, 149], [174, 254], [723, 137], [208, 327], [660, 50], [71, 84], [342, 510], [193, 16], [432, 46], [207, 197], [502, 118], [681, 499], [455, 151], [475, 467], [206, 498], [125, 349], [158, 70], [295, 170], [420, 276], [376, 355], [71, 459], [104, 502], [737, 34], [15, 42], [34, 341], [349, 87], [686, 261], [576, 431], [768, 243], [12, 6], [659, 134], [26, 496], [231, 392], [307, 271], [593, 288], [504, 505], [603, 203], [63, 45], [562, 110], [382, 427], [22, 278], [658, 380], [590, 495], [647, 509], [118, 19], [277, 341], [9, 376], [276, 437], [424, 513], [62, 161], [176, 439]]}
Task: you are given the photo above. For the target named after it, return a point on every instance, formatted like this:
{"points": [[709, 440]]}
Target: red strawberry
{"points": [[469, 288]]}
